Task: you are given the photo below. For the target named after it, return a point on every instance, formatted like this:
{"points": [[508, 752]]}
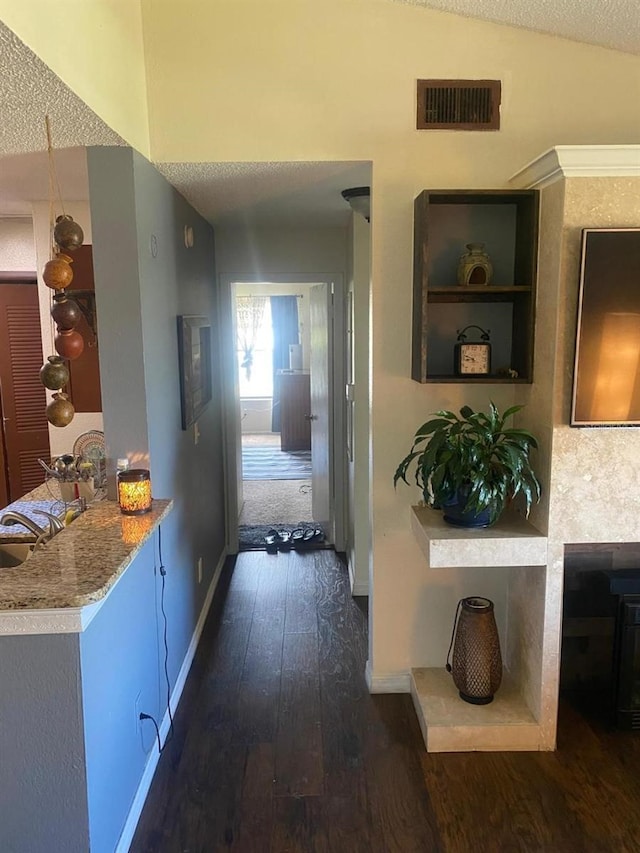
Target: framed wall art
{"points": [[194, 353]]}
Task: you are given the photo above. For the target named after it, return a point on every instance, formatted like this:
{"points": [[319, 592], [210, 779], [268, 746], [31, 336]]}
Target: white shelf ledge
{"points": [[449, 724], [512, 541]]}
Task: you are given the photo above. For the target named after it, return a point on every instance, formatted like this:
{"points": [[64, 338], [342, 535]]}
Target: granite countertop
{"points": [[81, 563]]}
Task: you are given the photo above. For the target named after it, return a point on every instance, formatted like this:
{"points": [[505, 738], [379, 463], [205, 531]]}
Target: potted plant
{"points": [[471, 465]]}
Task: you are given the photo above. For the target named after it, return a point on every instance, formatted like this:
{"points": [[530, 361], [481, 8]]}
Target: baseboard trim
{"points": [[391, 682], [360, 588], [137, 805]]}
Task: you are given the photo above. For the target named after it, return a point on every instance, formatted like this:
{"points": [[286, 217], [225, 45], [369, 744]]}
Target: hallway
{"points": [[279, 747]]}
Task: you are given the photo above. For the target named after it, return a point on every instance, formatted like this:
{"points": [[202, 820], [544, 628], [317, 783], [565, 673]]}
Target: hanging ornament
{"points": [[57, 273], [55, 373], [67, 233], [60, 410], [69, 343], [65, 312]]}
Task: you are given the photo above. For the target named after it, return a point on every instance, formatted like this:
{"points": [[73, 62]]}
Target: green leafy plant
{"points": [[473, 458]]}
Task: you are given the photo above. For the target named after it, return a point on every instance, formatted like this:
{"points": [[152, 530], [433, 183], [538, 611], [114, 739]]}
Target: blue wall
{"points": [[118, 657], [144, 278]]}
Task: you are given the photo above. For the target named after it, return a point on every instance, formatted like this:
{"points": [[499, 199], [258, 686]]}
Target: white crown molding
{"points": [[579, 161]]}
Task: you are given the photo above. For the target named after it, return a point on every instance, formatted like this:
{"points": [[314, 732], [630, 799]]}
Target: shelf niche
{"points": [[506, 221]]}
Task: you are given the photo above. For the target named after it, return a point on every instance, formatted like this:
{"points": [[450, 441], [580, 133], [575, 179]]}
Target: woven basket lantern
{"points": [[477, 662]]}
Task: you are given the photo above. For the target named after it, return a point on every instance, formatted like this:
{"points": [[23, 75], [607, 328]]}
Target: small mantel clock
{"points": [[472, 358]]}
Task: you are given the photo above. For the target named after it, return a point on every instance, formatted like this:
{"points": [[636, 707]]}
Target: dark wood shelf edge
{"points": [[462, 289], [477, 380]]}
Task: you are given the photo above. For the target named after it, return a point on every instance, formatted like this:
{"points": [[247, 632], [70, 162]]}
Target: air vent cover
{"points": [[459, 104]]}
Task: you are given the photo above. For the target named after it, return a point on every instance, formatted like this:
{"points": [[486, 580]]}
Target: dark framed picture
{"points": [[194, 353]]}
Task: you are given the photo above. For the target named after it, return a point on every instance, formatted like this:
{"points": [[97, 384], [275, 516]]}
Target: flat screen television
{"points": [[606, 375]]}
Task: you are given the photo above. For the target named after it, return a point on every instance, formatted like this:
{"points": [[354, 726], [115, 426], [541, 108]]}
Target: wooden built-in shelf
{"points": [[478, 380], [485, 289], [506, 221], [512, 541]]}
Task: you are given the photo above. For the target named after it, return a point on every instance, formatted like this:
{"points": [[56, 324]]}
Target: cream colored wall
{"points": [[352, 96], [362, 456], [17, 248], [96, 48]]}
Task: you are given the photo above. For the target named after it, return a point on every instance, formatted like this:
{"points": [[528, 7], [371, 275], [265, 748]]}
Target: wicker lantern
{"points": [[477, 662]]}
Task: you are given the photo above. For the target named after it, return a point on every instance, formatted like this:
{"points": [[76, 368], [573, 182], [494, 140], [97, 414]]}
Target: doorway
{"points": [[281, 424], [24, 429]]}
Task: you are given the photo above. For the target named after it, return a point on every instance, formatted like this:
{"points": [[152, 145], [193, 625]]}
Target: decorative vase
{"points": [[69, 343], [57, 273], [67, 233], [477, 662], [60, 410], [65, 312], [55, 374], [474, 266]]}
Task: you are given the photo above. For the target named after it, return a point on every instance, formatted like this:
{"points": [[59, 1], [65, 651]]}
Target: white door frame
{"points": [[231, 409]]}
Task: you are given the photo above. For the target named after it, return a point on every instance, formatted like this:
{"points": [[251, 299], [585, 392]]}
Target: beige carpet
{"points": [[276, 502]]}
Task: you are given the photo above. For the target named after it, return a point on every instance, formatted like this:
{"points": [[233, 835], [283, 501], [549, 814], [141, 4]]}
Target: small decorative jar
{"points": [[57, 273], [477, 662], [65, 312], [134, 491], [60, 410], [54, 375], [69, 343], [67, 233], [475, 266]]}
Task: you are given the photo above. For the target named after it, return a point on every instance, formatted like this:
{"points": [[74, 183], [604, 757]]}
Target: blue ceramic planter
{"points": [[453, 513]]}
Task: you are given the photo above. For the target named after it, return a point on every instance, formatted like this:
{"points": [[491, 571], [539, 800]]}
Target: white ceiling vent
{"points": [[458, 105]]}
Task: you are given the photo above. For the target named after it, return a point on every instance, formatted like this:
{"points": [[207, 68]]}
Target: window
{"points": [[254, 346]]}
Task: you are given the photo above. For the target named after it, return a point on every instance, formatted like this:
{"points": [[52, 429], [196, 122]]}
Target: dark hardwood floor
{"points": [[279, 747]]}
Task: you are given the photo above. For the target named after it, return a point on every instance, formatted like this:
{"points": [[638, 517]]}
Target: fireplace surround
{"points": [[600, 656]]}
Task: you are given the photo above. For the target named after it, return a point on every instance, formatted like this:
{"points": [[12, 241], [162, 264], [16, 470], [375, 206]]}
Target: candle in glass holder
{"points": [[134, 491]]}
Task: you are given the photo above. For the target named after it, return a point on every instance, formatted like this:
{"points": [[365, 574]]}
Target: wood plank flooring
{"points": [[279, 748]]}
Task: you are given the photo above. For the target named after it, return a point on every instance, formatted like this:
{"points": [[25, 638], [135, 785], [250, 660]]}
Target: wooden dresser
{"points": [[295, 407]]}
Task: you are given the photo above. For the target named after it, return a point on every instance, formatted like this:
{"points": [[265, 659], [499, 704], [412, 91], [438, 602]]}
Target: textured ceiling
{"points": [[268, 193], [609, 23], [29, 91]]}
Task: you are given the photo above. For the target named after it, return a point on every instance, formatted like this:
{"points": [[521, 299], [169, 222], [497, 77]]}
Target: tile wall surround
{"points": [[587, 469]]}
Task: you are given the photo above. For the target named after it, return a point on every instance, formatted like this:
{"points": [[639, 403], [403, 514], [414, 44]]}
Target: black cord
{"points": [[149, 717], [163, 573]]}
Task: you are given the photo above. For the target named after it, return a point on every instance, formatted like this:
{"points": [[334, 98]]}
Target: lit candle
{"points": [[134, 491]]}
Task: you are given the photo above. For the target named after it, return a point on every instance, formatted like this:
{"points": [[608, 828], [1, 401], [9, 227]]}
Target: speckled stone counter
{"points": [[80, 565]]}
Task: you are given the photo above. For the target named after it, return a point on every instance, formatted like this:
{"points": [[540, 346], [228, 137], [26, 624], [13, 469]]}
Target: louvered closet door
{"points": [[26, 433]]}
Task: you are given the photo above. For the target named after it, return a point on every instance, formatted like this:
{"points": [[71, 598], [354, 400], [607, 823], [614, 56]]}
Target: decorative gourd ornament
{"points": [[60, 410], [67, 233], [57, 273], [69, 343], [54, 374], [65, 312]]}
